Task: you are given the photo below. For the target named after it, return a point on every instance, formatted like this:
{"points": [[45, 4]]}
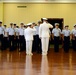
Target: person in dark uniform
{"points": [[66, 38], [1, 36], [5, 37], [38, 40], [11, 37], [73, 33], [21, 37], [56, 32], [15, 36], [34, 41]]}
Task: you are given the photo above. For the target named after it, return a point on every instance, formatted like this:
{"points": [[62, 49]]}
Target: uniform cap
{"points": [[66, 26], [44, 18], [11, 23], [0, 21], [21, 23], [74, 25], [56, 24], [29, 24], [39, 21], [33, 22]]}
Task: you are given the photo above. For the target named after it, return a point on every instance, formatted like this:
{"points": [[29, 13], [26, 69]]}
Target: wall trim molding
{"points": [[41, 2]]}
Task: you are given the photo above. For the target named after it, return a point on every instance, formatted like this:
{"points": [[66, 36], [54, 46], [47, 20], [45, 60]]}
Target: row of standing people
{"points": [[44, 35], [13, 37], [17, 39]]}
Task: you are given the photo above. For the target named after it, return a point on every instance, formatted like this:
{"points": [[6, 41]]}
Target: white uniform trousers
{"points": [[45, 44], [29, 47]]}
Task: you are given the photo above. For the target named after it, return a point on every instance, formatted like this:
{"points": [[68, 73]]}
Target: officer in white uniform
{"points": [[66, 38], [56, 32], [73, 32], [44, 35], [28, 33], [21, 37], [11, 36], [1, 36], [5, 37]]}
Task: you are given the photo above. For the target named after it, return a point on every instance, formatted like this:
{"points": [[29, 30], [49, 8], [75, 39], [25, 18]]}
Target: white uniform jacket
{"points": [[44, 29], [28, 33]]}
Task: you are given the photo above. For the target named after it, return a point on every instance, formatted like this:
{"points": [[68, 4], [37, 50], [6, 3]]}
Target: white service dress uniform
{"points": [[28, 34], [44, 35]]}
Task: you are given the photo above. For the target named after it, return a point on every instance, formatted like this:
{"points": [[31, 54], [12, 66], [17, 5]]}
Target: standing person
{"points": [[38, 40], [66, 38], [15, 45], [5, 37], [73, 32], [28, 33], [21, 37], [16, 36], [56, 32], [1, 36], [44, 35], [34, 41], [11, 36]]}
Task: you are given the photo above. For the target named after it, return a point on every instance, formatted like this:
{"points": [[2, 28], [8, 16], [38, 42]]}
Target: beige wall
{"points": [[35, 12], [1, 11]]}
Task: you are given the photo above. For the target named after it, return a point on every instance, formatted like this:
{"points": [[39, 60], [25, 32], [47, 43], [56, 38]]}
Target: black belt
{"points": [[56, 36], [11, 35], [1, 34], [21, 35], [66, 36]]}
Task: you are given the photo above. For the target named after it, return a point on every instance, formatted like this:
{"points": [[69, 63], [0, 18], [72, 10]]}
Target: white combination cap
{"points": [[66, 26], [56, 24], [29, 24], [44, 18], [74, 25]]}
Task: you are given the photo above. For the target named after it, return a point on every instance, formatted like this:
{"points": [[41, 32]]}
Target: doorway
{"points": [[56, 20]]}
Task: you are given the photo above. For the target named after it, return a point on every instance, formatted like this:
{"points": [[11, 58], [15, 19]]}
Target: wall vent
{"points": [[21, 6]]}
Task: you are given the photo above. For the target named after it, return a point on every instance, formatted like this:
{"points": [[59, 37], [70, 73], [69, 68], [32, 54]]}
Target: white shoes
{"points": [[44, 53], [29, 53]]}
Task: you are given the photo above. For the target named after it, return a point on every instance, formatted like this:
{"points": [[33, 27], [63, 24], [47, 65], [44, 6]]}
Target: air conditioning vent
{"points": [[21, 6]]}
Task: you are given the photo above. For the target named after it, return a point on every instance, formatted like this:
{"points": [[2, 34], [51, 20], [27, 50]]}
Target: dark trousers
{"points": [[22, 43], [5, 43], [38, 44], [56, 44], [1, 41], [15, 42], [11, 42], [66, 43], [74, 44], [34, 44]]}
